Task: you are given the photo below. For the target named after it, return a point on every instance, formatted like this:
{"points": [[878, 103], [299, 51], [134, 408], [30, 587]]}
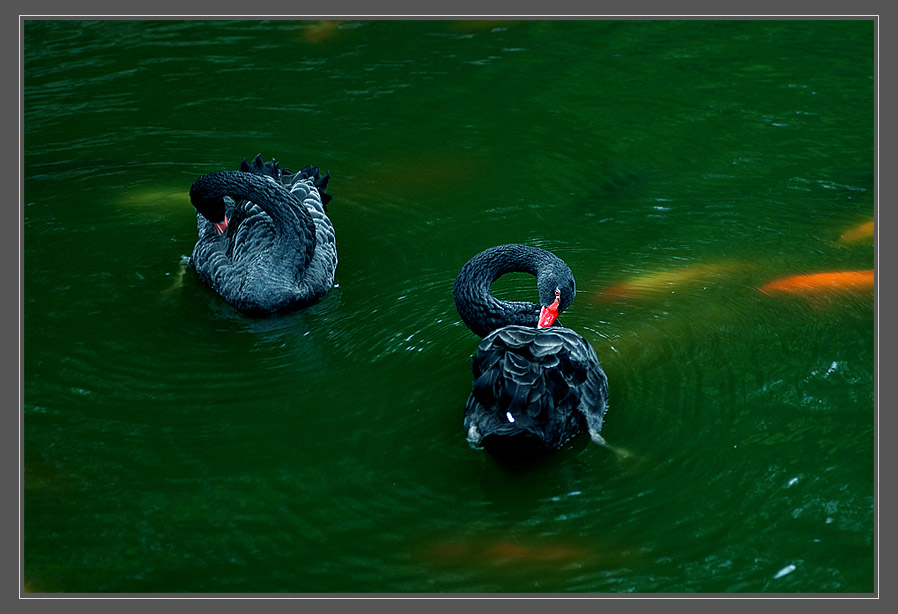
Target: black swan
{"points": [[535, 385], [272, 250]]}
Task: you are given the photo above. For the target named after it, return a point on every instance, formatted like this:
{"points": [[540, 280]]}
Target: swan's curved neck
{"points": [[288, 214], [479, 309]]}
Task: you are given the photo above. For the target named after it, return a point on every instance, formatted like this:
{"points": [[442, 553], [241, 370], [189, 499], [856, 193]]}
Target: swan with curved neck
{"points": [[535, 385], [482, 312], [272, 250]]}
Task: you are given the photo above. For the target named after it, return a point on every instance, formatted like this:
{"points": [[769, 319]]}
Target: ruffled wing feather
{"points": [[547, 383]]}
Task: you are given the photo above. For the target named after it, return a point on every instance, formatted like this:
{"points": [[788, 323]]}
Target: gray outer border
{"points": [[692, 9]]}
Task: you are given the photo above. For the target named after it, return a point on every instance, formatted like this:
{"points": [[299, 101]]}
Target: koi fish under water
{"points": [[858, 233], [319, 30], [821, 283], [657, 282], [497, 552]]}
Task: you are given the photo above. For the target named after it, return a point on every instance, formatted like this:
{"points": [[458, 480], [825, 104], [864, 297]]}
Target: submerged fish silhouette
{"points": [[490, 551], [858, 233], [658, 282], [320, 30]]}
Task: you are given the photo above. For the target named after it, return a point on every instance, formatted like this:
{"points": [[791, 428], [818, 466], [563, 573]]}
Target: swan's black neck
{"points": [[290, 216], [483, 313]]}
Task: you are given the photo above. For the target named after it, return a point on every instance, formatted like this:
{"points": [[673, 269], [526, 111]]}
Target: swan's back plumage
{"points": [[533, 390], [260, 265]]}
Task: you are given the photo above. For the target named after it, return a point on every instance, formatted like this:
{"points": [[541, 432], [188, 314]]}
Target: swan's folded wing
{"points": [[278, 252], [544, 381]]}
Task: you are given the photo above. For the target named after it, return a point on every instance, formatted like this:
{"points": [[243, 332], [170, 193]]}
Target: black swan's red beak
{"points": [[547, 315], [221, 226]]}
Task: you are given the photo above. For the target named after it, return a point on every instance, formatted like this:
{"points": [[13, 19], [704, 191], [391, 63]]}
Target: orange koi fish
{"points": [[821, 283], [320, 30], [506, 552], [664, 281], [858, 233], [510, 552]]}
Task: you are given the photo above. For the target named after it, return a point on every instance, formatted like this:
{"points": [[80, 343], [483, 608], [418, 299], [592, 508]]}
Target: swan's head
{"points": [[212, 208], [556, 293]]}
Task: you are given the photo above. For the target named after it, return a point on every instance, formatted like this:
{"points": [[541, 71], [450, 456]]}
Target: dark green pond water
{"points": [[174, 445]]}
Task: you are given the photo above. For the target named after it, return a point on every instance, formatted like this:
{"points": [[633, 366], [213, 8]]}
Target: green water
{"points": [[173, 445]]}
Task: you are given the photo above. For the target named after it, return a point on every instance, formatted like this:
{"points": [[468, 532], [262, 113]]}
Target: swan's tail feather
{"points": [[287, 177], [260, 167], [318, 180]]}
